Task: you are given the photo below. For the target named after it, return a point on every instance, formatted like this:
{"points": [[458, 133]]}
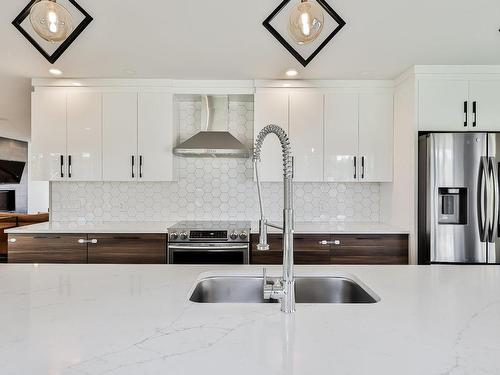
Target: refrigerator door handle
{"points": [[495, 208], [482, 196]]}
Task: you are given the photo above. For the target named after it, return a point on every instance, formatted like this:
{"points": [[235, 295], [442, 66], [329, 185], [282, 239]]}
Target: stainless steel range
{"points": [[209, 242]]}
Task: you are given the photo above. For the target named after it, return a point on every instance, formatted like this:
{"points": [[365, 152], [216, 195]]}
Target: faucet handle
{"points": [[266, 288]]}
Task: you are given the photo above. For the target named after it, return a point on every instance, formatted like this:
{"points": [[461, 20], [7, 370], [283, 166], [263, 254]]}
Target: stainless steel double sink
{"points": [[308, 289]]}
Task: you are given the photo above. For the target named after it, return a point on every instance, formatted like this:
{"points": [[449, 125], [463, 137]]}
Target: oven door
{"points": [[208, 253]]}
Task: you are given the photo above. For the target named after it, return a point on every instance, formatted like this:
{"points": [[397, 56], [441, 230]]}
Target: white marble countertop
{"points": [[338, 227], [162, 227], [130, 320], [96, 227]]}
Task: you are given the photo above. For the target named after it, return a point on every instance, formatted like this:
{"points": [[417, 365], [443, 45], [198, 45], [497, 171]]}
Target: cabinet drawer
{"points": [[128, 249], [60, 248], [369, 249], [307, 250]]}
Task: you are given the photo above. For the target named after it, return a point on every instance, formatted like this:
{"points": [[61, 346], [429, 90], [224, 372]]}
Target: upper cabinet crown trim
{"points": [[174, 86], [323, 84]]}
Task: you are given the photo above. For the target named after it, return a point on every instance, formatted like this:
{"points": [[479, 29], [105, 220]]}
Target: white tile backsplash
{"points": [[211, 189]]}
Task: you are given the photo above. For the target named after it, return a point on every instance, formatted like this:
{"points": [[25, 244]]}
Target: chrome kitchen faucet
{"points": [[284, 289]]}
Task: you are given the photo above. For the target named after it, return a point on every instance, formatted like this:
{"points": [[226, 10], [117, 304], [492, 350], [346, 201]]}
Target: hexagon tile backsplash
{"points": [[211, 189]]}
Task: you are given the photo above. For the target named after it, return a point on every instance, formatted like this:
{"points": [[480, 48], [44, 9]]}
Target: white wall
{"points": [[15, 123], [15, 107], [398, 198]]}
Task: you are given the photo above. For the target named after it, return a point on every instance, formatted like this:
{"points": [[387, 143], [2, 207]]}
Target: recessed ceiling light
{"points": [[55, 72], [77, 84], [291, 72]]}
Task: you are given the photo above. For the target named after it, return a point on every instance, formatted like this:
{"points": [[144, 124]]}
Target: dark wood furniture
{"points": [[336, 249], [12, 220], [88, 248], [128, 248], [369, 249], [307, 250], [47, 248]]}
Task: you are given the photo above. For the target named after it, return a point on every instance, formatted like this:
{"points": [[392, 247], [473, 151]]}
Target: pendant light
{"points": [[305, 22], [51, 21]]}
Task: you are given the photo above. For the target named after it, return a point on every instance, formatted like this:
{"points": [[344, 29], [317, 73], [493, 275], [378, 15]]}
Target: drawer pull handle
{"points": [[82, 241], [325, 242], [12, 240]]}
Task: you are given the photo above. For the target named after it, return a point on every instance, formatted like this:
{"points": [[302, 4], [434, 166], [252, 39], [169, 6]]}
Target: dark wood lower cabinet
{"points": [[369, 249], [151, 249], [336, 249], [47, 248], [307, 250], [128, 249]]}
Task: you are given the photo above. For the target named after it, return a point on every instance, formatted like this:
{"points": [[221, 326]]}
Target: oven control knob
{"points": [[243, 235], [174, 236], [233, 235], [183, 236]]}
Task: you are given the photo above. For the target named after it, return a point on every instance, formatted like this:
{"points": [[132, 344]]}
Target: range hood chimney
{"points": [[214, 140]]}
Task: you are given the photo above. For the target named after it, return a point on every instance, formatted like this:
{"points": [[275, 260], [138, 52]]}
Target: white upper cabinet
{"points": [[306, 135], [48, 135], [120, 159], [459, 105], [376, 132], [484, 102], [442, 105], [156, 136], [84, 131], [341, 137], [271, 107]]}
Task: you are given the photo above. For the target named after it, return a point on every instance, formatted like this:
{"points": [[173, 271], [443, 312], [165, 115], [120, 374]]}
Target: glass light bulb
{"points": [[306, 22], [51, 21]]}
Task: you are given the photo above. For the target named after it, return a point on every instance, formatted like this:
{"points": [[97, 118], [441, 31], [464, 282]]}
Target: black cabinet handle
{"points": [[133, 163], [140, 166], [62, 166], [362, 167], [465, 113], [474, 113], [355, 167], [69, 166]]}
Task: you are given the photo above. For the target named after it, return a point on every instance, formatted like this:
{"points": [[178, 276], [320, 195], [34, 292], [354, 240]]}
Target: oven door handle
{"points": [[213, 248]]}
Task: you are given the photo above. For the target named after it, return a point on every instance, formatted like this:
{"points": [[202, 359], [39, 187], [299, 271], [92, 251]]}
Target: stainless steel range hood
{"points": [[215, 140]]}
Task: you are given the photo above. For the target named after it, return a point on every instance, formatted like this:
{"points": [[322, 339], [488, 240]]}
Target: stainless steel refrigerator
{"points": [[459, 198]]}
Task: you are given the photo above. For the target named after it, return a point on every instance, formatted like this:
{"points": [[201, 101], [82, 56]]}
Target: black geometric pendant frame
{"points": [[52, 58], [304, 61]]}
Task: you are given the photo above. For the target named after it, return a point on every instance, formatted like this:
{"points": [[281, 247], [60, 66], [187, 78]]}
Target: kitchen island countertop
{"points": [[132, 319]]}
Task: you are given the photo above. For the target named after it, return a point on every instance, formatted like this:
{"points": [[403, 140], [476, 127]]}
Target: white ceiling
{"points": [[225, 39]]}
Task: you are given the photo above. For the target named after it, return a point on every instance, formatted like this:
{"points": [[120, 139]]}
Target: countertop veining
{"points": [[131, 319]]}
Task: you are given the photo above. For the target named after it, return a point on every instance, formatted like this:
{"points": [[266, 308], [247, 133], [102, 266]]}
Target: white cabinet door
{"points": [[306, 135], [485, 96], [441, 105], [341, 137], [84, 144], [376, 130], [271, 107], [119, 136], [48, 135], [156, 137]]}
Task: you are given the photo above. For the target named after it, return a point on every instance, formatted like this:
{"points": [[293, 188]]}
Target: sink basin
{"points": [[308, 289]]}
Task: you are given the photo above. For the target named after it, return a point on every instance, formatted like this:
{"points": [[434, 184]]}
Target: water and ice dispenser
{"points": [[452, 205]]}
